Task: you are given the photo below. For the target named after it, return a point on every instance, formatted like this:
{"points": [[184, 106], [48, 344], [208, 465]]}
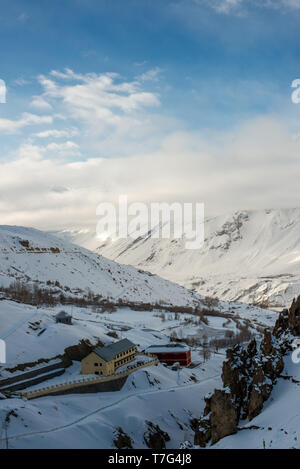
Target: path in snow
{"points": [[84, 417]]}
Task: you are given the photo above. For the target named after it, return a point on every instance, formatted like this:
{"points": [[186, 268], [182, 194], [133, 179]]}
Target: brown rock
{"points": [[294, 317], [123, 441], [256, 403], [155, 437], [223, 418], [267, 343], [203, 433]]}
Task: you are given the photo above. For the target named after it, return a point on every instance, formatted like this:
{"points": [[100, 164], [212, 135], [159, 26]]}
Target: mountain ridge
{"points": [[249, 255]]}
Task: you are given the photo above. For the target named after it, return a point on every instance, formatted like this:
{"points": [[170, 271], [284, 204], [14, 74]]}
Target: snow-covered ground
{"points": [[249, 256], [24, 343], [157, 393], [91, 420]]}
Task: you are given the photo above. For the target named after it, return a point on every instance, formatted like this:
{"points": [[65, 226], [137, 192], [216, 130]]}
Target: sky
{"points": [[173, 100]]}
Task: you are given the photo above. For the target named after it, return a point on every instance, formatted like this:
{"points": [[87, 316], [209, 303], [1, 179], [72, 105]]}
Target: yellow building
{"points": [[105, 360]]}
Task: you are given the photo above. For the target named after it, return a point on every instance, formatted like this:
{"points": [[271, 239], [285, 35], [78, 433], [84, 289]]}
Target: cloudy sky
{"points": [[173, 100]]}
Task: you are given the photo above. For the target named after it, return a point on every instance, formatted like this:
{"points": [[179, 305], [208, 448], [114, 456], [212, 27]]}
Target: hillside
{"points": [[33, 256], [249, 256]]}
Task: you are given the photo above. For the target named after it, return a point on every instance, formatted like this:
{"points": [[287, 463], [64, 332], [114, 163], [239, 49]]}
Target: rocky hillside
{"points": [[249, 256], [249, 375]]}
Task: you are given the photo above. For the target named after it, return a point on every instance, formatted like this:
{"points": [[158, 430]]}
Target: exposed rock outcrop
{"points": [[155, 437], [220, 418], [249, 374], [81, 350], [122, 440], [288, 321]]}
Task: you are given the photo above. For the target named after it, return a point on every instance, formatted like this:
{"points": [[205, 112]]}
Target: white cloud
{"points": [[150, 75], [67, 148], [253, 166], [21, 81], [294, 4], [40, 103], [98, 100], [2, 92], [239, 6], [222, 6], [225, 6], [48, 185], [8, 126], [53, 133]]}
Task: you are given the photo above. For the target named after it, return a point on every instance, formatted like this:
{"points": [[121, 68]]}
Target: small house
{"points": [[171, 353], [106, 360], [63, 317]]}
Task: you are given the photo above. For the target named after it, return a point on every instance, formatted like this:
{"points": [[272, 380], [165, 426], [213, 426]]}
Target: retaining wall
{"points": [[29, 374], [104, 384], [31, 382]]}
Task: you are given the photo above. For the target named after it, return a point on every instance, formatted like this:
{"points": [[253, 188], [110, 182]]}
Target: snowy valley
{"points": [[248, 256], [158, 406]]}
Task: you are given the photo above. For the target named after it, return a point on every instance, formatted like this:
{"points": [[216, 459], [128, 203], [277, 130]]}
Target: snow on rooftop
{"points": [[172, 347]]}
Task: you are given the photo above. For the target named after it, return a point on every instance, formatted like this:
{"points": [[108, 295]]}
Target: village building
{"points": [[171, 353], [63, 317], [106, 360]]}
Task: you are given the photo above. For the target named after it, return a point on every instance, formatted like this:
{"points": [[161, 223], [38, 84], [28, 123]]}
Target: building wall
{"points": [[184, 358], [125, 357], [64, 321], [93, 364]]}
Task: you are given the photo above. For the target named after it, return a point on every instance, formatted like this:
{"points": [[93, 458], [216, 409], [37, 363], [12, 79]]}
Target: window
{"points": [[96, 372], [96, 364]]}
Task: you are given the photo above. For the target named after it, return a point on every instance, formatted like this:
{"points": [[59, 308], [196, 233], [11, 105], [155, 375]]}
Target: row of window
{"points": [[125, 360], [121, 362], [125, 353]]}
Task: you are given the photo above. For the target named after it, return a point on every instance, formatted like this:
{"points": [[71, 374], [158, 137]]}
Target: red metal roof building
{"points": [[171, 353]]}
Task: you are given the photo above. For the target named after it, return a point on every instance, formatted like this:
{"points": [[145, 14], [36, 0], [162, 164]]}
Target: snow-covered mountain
{"points": [[249, 256], [31, 255], [167, 398]]}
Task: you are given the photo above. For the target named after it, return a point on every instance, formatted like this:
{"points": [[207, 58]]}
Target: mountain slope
{"points": [[30, 256], [250, 256]]}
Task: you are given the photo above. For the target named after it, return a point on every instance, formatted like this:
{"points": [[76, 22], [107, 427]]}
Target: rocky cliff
{"points": [[249, 375]]}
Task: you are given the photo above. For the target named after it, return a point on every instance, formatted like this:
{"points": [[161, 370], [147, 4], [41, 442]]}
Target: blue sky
{"points": [[235, 63], [136, 80]]}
